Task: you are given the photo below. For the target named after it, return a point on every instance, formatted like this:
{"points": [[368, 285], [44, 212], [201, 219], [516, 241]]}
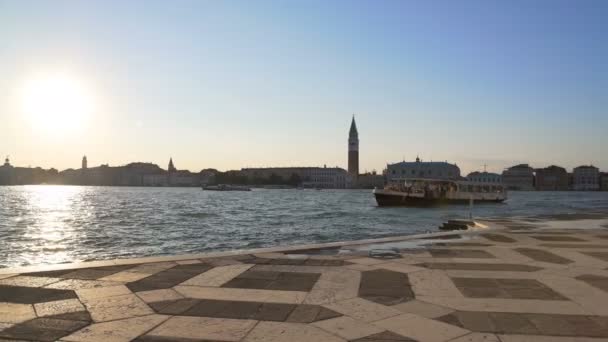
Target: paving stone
{"points": [[241, 310], [74, 316], [31, 295], [158, 295], [480, 266], [217, 276], [526, 323], [568, 325], [51, 274], [385, 336], [246, 295], [420, 328], [168, 278], [223, 329], [94, 273], [543, 256], [117, 307], [152, 268], [477, 337], [58, 307], [78, 284], [126, 277], [174, 307], [292, 332], [505, 288], [314, 262], [423, 309], [556, 238], [188, 262], [366, 261], [459, 253], [283, 281], [16, 313], [42, 329], [334, 286], [498, 238], [385, 287], [116, 331], [28, 281], [598, 255], [347, 327], [305, 313], [102, 292], [572, 245], [512, 323], [363, 310], [600, 282]]}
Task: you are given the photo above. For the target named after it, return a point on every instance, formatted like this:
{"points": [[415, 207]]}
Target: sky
{"points": [[231, 84]]}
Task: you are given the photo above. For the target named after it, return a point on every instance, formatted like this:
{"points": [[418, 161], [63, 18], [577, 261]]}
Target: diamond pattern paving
{"points": [[168, 278], [32, 295], [505, 288], [385, 287], [601, 282], [271, 280], [542, 255], [327, 294], [459, 253], [529, 324], [480, 267]]}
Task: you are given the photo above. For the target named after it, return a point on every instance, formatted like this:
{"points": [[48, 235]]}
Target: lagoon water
{"points": [[55, 224]]}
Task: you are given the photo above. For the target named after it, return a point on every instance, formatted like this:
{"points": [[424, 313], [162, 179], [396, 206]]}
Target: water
{"points": [[55, 224]]}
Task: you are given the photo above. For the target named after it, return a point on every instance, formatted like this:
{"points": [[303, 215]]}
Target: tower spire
{"points": [[171, 167]]}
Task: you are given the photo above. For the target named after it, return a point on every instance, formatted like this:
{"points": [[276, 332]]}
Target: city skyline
{"points": [[235, 84]]}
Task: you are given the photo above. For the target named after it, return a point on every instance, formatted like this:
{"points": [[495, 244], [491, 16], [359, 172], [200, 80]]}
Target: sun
{"points": [[56, 104]]}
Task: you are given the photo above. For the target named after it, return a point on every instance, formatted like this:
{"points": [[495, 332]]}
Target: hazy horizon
{"points": [[236, 84]]}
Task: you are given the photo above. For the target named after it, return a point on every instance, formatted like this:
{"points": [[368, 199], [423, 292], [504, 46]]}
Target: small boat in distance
{"points": [[421, 192], [226, 187]]}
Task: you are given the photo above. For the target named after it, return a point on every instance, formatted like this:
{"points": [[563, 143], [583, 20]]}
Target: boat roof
{"points": [[435, 180]]}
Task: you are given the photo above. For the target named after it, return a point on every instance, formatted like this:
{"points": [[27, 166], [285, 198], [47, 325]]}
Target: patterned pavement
{"points": [[513, 284]]}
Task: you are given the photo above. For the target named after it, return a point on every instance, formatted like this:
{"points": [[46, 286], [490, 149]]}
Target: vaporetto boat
{"points": [[418, 192]]}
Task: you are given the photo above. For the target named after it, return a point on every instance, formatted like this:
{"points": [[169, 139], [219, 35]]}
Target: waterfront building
{"points": [[519, 177], [420, 169], [586, 178], [484, 177], [370, 180], [353, 150], [604, 181], [84, 163], [310, 177], [552, 178], [6, 172]]}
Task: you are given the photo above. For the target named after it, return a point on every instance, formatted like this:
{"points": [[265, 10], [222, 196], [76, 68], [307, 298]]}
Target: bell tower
{"points": [[353, 150]]}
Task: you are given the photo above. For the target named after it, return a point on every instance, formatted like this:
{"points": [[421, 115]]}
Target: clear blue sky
{"points": [[229, 84]]}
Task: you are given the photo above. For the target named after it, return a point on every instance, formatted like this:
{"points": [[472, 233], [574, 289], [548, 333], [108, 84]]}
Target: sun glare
{"points": [[56, 104]]}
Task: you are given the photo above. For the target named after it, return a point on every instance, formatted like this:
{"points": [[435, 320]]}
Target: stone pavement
{"points": [[513, 284]]}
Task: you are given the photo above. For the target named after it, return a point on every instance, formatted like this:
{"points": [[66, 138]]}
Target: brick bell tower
{"points": [[353, 150]]}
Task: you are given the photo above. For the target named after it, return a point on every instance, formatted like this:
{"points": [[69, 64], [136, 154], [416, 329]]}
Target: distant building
{"points": [[6, 173], [519, 177], [484, 177], [604, 181], [84, 163], [311, 177], [586, 178], [420, 169], [353, 150], [370, 180], [552, 178]]}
